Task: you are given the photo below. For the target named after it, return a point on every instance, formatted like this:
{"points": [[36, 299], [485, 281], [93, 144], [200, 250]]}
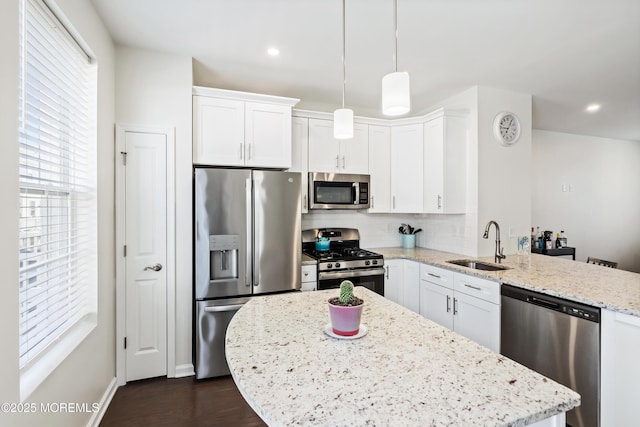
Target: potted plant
{"points": [[345, 311]]}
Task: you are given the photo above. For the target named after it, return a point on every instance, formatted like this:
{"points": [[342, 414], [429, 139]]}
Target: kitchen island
{"points": [[405, 371]]}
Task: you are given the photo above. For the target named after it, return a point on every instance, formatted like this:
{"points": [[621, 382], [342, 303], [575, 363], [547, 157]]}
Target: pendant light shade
{"points": [[343, 123], [396, 98], [343, 117], [396, 93]]}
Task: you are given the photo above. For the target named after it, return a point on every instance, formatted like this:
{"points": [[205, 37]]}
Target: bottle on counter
{"points": [[548, 243], [563, 239], [558, 242]]}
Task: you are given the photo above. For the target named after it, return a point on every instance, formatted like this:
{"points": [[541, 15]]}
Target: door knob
{"points": [[156, 267]]}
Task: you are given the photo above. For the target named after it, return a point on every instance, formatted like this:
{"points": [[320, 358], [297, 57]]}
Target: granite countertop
{"points": [[610, 288], [307, 260], [405, 371]]}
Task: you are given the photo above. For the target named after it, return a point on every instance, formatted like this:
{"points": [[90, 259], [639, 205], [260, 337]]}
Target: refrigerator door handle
{"points": [[257, 218], [247, 251]]}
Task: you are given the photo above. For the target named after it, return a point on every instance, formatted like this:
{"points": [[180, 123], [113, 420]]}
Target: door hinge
{"points": [[125, 343], [124, 157], [125, 251]]}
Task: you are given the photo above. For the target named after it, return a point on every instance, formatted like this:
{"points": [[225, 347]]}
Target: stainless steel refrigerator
{"points": [[247, 241]]}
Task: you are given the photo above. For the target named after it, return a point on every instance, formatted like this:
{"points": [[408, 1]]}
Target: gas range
{"points": [[344, 260]]}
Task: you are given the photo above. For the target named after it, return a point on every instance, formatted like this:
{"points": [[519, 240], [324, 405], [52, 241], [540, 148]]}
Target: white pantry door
{"points": [[146, 254]]}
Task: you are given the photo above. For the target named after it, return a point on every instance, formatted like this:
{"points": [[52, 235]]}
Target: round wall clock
{"points": [[506, 128]]}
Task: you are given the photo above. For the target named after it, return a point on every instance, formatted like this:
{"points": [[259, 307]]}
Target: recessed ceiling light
{"points": [[592, 108], [272, 51]]}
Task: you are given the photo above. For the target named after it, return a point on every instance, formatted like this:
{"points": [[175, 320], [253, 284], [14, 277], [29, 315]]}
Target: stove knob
{"points": [[329, 265], [367, 262], [375, 261], [337, 265]]}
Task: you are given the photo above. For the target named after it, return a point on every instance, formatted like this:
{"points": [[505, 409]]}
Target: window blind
{"points": [[58, 200]]}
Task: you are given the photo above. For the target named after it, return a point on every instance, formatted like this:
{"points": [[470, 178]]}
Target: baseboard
{"points": [[185, 370], [104, 403]]}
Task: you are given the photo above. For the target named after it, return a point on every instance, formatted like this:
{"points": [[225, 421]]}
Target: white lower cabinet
{"points": [[402, 283], [468, 305], [411, 285], [620, 371], [393, 280], [309, 277]]}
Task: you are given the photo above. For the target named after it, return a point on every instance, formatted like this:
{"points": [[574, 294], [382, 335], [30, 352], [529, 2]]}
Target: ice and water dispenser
{"points": [[223, 252]]}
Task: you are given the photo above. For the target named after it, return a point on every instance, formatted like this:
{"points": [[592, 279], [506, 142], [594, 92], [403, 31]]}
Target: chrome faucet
{"points": [[499, 256]]}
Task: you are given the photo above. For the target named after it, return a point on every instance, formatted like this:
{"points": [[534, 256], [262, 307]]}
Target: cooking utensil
{"points": [[322, 244]]}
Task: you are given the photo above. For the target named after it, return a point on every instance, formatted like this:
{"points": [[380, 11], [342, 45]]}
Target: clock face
{"points": [[506, 128]]}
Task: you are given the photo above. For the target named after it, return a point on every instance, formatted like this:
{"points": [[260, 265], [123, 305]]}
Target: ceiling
{"points": [[566, 54]]}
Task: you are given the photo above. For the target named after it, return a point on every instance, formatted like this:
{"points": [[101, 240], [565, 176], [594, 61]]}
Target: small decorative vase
{"points": [[345, 321]]}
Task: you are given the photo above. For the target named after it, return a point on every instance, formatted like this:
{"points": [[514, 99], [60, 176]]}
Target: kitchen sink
{"points": [[478, 265]]}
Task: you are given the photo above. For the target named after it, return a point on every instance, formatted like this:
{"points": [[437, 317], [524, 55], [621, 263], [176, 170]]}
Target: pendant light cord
{"points": [[395, 33], [344, 67]]}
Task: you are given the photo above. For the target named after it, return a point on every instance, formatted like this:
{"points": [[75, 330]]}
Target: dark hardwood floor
{"points": [[180, 402]]}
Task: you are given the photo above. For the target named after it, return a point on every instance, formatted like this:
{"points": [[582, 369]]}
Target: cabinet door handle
{"points": [[475, 288], [434, 275], [439, 201], [337, 162], [371, 202], [241, 151], [249, 158], [455, 306], [394, 202], [304, 201], [344, 163], [448, 303], [386, 267]]}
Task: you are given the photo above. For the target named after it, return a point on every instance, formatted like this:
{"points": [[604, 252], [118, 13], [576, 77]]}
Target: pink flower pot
{"points": [[345, 321]]}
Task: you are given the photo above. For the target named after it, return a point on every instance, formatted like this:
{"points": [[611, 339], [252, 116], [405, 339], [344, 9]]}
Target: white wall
{"points": [[9, 374], [87, 372], [154, 89], [504, 173], [600, 207]]}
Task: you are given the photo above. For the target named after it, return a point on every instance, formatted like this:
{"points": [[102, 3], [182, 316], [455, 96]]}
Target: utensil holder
{"points": [[408, 241]]}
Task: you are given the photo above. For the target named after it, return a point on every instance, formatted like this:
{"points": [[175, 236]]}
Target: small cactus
{"points": [[346, 291]]}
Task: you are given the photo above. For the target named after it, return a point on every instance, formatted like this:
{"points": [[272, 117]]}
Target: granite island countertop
{"points": [[599, 286], [405, 371]]}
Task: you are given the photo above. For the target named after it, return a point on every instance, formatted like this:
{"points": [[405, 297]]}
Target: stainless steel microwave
{"points": [[338, 191]]}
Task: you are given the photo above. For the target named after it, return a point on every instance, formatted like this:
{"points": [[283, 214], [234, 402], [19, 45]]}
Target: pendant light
{"points": [[343, 117], [396, 98]]}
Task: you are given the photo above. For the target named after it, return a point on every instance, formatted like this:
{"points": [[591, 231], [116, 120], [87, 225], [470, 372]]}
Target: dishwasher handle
{"points": [[543, 303]]}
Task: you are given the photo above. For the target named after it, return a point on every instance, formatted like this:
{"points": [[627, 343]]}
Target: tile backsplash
{"points": [[450, 233]]}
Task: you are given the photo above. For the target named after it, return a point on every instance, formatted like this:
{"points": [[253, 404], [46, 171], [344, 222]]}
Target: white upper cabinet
{"points": [[267, 135], [327, 154], [218, 131], [445, 154], [380, 168], [241, 129], [407, 168], [299, 149]]}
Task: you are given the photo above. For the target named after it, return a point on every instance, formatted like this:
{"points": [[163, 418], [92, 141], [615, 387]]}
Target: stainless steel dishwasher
{"points": [[559, 339]]}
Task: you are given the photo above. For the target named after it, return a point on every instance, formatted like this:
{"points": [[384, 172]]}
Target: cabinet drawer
{"points": [[436, 275], [477, 287], [309, 273]]}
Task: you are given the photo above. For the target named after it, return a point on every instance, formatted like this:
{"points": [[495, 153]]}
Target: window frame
{"points": [[72, 198]]}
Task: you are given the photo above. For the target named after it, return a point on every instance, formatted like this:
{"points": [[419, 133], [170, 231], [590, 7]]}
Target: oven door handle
{"points": [[345, 274]]}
